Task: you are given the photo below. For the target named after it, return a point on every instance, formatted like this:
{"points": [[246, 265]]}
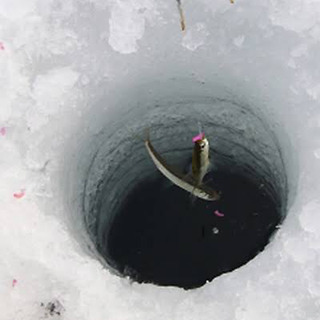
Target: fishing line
{"points": [[199, 127]]}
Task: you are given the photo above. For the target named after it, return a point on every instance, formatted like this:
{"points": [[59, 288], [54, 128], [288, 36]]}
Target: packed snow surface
{"points": [[59, 58]]}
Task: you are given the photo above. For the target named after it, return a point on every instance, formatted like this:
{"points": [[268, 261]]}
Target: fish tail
{"points": [[196, 185], [193, 197], [147, 134]]}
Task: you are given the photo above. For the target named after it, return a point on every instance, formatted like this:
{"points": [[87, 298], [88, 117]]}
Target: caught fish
{"points": [[182, 19], [200, 158], [185, 183]]}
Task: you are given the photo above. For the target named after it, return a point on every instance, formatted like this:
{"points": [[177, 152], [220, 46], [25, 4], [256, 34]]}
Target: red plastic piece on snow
{"points": [[19, 195], [3, 131], [14, 282]]}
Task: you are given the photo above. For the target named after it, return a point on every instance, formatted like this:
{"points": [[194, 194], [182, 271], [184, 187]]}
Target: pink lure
{"points": [[219, 214], [19, 195], [198, 137], [14, 282], [3, 131]]}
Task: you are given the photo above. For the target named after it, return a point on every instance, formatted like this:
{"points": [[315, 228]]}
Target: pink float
{"points": [[198, 137]]}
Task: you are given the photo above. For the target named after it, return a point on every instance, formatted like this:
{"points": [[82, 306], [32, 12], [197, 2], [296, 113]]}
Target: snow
{"points": [[62, 58], [127, 23], [308, 217], [16, 9], [195, 36]]}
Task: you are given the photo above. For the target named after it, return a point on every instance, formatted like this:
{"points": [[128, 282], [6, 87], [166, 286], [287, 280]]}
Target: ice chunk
{"points": [[50, 89], [128, 22], [195, 36], [238, 41], [15, 9], [310, 217]]}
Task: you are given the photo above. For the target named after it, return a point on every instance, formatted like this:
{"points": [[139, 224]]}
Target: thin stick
{"points": [[182, 18]]}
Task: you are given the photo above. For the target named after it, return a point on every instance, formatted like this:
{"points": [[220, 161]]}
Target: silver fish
{"points": [[185, 183], [200, 160]]}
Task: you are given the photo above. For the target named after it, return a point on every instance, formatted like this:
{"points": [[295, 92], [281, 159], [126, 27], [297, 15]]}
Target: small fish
{"points": [[185, 183], [200, 158]]}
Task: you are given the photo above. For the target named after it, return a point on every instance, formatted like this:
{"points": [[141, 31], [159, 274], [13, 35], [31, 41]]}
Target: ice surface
{"points": [[60, 58], [128, 22]]}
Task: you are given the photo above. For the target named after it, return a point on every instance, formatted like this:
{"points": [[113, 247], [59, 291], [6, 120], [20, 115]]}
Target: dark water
{"points": [[163, 236]]}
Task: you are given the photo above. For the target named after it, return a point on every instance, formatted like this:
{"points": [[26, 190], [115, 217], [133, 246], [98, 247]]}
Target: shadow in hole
{"points": [[161, 236]]}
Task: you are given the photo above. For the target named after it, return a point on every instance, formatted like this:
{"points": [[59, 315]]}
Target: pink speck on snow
{"points": [[1, 46], [3, 131], [14, 282], [198, 137], [19, 195], [219, 214]]}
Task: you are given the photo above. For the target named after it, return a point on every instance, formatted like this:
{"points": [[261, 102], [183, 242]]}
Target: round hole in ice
{"points": [[144, 227]]}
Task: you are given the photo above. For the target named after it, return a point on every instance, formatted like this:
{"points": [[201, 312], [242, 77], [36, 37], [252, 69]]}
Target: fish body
{"points": [[200, 160], [185, 183]]}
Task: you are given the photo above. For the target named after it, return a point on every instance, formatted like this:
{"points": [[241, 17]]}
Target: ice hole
{"points": [[142, 226]]}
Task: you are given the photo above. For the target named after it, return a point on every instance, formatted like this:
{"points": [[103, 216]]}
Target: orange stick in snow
{"points": [[182, 18]]}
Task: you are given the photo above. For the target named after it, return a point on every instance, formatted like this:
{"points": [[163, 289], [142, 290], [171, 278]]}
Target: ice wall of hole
{"points": [[112, 162]]}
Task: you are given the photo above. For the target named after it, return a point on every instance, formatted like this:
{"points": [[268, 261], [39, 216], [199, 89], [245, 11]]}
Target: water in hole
{"points": [[163, 236]]}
